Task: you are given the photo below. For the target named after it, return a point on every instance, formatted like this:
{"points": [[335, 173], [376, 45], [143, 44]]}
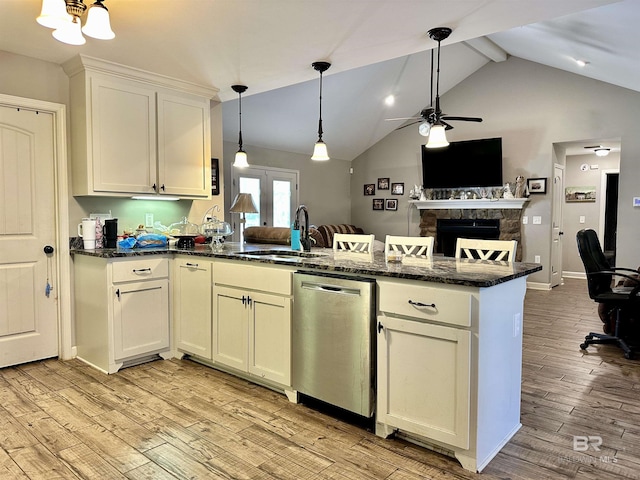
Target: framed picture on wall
{"points": [[383, 184], [370, 189], [537, 185], [215, 177], [580, 194], [397, 189], [391, 204], [378, 203]]}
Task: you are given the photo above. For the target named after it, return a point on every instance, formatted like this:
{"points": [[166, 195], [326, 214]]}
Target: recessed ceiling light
{"points": [[582, 63], [389, 100]]}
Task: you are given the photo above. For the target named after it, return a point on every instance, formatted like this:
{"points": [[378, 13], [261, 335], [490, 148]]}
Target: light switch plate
{"points": [[636, 201], [525, 220], [582, 219], [537, 220], [148, 220]]}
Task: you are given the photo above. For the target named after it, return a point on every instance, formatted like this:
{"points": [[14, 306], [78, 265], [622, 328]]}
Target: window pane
{"points": [[252, 186], [281, 203]]}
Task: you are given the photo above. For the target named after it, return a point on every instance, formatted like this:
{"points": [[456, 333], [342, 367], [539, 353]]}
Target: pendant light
{"points": [[437, 135], [241, 155], [320, 149], [64, 17]]}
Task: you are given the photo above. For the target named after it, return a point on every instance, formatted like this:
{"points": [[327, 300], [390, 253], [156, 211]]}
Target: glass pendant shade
{"points": [[70, 33], [54, 14], [602, 152], [241, 159], [320, 151], [424, 129], [437, 137], [98, 24]]}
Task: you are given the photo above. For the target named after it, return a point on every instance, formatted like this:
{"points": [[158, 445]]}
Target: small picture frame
{"points": [[537, 185], [383, 183], [580, 194], [215, 177], [369, 188], [391, 204], [397, 189], [378, 203]]}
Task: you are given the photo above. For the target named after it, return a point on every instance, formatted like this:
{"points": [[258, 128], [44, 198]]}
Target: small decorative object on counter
{"points": [[185, 232], [217, 231], [394, 256], [507, 192], [99, 239]]}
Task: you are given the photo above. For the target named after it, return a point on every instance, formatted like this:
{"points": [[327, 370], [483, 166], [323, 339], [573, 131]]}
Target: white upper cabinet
{"points": [[133, 132]]}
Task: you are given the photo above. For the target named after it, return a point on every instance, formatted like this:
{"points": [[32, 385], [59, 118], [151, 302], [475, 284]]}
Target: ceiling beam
{"points": [[486, 47]]}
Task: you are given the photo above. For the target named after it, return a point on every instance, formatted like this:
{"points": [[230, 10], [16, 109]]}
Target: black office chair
{"points": [[624, 301]]}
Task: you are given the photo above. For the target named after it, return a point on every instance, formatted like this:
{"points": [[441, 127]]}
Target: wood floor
{"points": [[177, 419]]}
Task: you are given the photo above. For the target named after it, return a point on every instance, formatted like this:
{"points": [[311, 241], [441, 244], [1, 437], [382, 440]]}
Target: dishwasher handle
{"points": [[323, 287]]}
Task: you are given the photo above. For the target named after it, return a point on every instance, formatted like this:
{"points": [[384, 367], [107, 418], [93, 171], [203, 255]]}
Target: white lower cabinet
{"points": [[423, 379], [121, 310], [252, 323], [449, 366], [192, 282]]}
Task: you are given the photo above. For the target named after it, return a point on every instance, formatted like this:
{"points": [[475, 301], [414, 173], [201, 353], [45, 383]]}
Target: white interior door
{"points": [[28, 312], [556, 225]]}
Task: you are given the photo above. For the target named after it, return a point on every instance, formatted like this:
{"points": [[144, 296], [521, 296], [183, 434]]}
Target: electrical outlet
{"points": [[525, 220], [536, 259], [537, 220], [148, 220]]}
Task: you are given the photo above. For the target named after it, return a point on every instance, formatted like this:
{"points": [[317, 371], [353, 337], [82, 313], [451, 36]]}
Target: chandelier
{"points": [[64, 17]]}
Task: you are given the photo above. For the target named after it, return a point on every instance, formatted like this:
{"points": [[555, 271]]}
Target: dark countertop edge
{"points": [[309, 263]]}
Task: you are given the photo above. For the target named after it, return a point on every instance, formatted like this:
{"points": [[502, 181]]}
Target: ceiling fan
{"points": [[432, 115]]}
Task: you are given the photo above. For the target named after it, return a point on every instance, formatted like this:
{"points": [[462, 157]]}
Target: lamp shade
{"points": [[243, 203], [70, 33], [241, 159], [320, 151], [54, 14], [98, 24], [602, 152], [437, 137]]}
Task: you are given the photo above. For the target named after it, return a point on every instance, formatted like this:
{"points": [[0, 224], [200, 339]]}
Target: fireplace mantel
{"points": [[513, 203]]}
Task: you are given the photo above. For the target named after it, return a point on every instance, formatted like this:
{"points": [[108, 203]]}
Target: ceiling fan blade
{"points": [[402, 118], [408, 124], [461, 119]]}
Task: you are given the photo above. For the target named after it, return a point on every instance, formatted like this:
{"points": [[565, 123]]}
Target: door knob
{"points": [[48, 249]]}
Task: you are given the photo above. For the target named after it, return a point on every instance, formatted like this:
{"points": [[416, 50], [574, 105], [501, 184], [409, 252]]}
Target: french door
{"points": [[274, 192]]}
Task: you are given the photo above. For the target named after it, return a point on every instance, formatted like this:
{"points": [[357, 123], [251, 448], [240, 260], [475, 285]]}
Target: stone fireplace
{"points": [[508, 220]]}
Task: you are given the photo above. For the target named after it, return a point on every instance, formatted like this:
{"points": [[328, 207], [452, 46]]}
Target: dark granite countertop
{"points": [[438, 269]]}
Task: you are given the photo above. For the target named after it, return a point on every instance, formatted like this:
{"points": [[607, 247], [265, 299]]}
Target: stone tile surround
{"points": [[510, 222]]}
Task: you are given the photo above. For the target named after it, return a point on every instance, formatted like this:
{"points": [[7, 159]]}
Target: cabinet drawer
{"points": [[252, 276], [448, 304], [140, 269]]}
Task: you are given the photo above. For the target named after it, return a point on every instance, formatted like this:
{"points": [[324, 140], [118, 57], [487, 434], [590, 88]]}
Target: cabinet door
{"points": [[230, 315], [140, 318], [270, 337], [192, 307], [423, 379], [184, 159], [123, 130]]}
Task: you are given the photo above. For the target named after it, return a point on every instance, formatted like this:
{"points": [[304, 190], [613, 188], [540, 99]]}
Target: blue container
{"points": [[295, 239]]}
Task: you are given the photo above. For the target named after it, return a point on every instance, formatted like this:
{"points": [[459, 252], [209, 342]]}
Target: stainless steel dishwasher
{"points": [[333, 340]]}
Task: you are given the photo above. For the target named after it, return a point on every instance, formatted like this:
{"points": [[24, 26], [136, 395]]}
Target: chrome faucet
{"points": [[305, 241]]}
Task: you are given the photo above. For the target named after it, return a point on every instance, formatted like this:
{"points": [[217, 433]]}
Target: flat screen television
{"points": [[466, 164]]}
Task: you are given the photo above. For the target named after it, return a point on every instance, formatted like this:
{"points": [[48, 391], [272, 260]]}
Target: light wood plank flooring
{"points": [[177, 419]]}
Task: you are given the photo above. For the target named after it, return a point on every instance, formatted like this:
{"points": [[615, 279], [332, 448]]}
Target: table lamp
{"points": [[243, 203]]}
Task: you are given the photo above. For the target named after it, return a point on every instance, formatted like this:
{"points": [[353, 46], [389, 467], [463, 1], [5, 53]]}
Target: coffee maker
{"points": [[110, 232]]}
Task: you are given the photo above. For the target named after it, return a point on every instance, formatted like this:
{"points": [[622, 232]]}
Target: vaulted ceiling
{"points": [[376, 47]]}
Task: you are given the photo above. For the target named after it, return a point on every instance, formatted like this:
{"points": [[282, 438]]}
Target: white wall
{"points": [[531, 107]]}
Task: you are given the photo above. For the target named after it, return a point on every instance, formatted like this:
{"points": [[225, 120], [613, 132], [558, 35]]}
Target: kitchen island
{"points": [[448, 333]]}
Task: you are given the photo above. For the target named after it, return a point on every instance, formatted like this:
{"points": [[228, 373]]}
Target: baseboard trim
{"points": [[580, 275], [538, 286]]}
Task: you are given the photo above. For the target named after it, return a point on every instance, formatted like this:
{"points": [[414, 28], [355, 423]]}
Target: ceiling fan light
{"points": [[320, 152], [602, 152], [53, 14], [437, 137], [241, 159], [98, 24], [70, 33], [424, 128]]}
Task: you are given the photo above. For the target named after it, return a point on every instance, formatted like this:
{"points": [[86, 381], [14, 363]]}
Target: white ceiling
{"points": [[376, 47]]}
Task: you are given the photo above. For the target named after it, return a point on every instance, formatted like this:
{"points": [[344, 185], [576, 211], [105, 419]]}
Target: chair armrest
{"points": [[633, 291]]}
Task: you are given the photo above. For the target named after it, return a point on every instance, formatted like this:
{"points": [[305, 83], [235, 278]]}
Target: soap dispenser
{"points": [[295, 236]]}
